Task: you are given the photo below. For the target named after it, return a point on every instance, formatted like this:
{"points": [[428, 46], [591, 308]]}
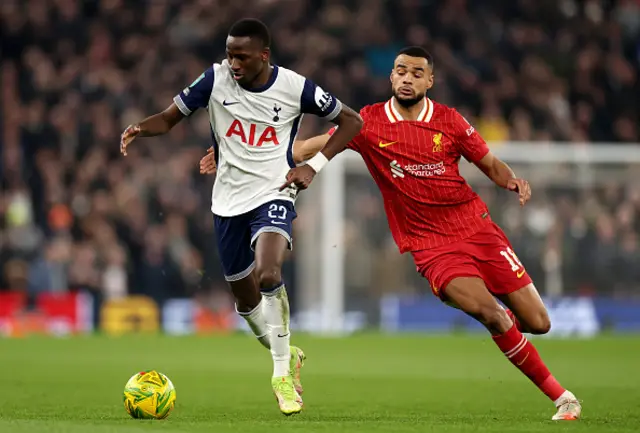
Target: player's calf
{"points": [[276, 309], [258, 324], [249, 306], [246, 293], [472, 296], [270, 250]]}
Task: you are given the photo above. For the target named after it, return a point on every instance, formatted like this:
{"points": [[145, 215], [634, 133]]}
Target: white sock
{"points": [[567, 395], [276, 311], [258, 324]]}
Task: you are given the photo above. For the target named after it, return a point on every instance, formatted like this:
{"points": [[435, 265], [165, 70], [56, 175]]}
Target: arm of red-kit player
{"points": [[502, 175], [350, 124], [495, 169], [473, 147], [307, 149], [317, 151]]}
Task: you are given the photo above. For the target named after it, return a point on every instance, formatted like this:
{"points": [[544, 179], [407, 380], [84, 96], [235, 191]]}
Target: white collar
{"points": [[394, 116]]}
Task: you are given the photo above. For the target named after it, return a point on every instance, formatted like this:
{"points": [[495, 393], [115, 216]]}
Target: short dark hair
{"points": [[416, 51], [252, 28]]}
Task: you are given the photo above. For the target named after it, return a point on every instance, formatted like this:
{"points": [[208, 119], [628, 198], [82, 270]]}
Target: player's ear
{"points": [[430, 81], [266, 53]]}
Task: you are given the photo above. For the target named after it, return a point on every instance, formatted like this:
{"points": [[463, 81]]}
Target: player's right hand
{"points": [[129, 134], [300, 177], [523, 189], [208, 162]]}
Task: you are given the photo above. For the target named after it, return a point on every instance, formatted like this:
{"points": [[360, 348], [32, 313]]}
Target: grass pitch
{"points": [[367, 383]]}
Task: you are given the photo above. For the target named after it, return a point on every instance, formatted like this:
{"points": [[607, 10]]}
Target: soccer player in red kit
{"points": [[412, 147]]}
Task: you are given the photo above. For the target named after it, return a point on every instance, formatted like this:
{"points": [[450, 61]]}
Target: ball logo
{"points": [[322, 98]]}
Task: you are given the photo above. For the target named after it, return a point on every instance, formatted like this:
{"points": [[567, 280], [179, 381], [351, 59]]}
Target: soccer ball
{"points": [[149, 395]]}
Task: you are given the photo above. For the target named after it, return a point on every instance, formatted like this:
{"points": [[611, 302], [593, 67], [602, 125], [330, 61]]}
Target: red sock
{"points": [[514, 319], [523, 355]]}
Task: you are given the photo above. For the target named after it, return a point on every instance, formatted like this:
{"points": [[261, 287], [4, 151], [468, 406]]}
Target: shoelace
{"points": [[564, 407], [285, 390]]}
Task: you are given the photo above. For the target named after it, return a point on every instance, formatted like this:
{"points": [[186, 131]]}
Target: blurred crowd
{"points": [[75, 73], [572, 241]]}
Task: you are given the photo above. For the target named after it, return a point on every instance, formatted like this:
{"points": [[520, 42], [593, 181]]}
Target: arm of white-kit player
{"points": [[316, 100], [194, 96]]}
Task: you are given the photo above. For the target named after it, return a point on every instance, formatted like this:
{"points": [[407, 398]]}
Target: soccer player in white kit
{"points": [[255, 109]]}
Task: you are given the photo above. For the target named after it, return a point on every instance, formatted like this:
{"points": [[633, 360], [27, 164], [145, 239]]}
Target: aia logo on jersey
{"points": [[437, 142], [248, 135]]}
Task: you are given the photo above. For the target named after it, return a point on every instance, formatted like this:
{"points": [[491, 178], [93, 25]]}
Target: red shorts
{"points": [[487, 255]]}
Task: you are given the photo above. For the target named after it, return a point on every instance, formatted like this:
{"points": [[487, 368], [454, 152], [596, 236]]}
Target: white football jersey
{"points": [[253, 132]]}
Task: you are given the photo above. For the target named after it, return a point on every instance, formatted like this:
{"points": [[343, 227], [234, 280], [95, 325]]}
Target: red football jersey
{"points": [[415, 165]]}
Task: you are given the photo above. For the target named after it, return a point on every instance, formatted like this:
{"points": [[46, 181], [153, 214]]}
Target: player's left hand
{"points": [[300, 176], [208, 162], [522, 187]]}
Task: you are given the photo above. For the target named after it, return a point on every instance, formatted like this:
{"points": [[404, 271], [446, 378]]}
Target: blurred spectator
{"points": [[48, 273], [114, 278]]}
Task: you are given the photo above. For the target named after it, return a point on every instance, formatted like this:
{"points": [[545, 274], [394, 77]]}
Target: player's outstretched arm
{"points": [[502, 175], [304, 150], [473, 147], [157, 124], [349, 123]]}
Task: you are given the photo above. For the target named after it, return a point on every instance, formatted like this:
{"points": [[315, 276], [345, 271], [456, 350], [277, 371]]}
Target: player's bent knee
{"points": [[269, 277], [541, 325]]}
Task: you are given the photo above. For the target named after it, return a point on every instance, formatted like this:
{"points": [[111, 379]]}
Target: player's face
{"points": [[247, 58], [410, 79]]}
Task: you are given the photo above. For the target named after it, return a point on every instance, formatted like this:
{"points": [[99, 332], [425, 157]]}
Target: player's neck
{"points": [[409, 113], [262, 79]]}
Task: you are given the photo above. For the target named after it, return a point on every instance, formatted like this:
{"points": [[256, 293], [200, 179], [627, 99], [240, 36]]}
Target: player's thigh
{"points": [[501, 269], [526, 304], [270, 250], [271, 237], [233, 238], [470, 294], [440, 265]]}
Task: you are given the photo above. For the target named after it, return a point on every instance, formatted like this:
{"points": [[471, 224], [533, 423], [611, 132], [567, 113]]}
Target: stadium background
{"points": [[84, 227]]}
